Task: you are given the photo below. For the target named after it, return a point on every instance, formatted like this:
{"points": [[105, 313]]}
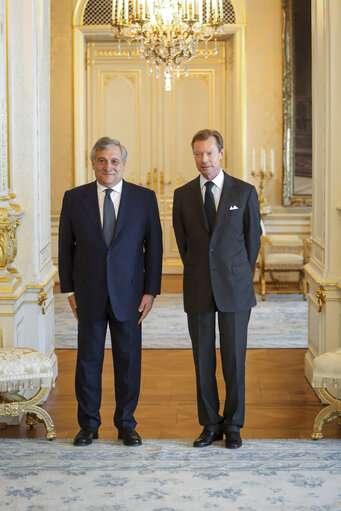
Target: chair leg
{"points": [[328, 414], [30, 406], [304, 287], [263, 287]]}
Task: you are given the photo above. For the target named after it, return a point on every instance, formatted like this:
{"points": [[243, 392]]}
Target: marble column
{"points": [[27, 272], [324, 269]]}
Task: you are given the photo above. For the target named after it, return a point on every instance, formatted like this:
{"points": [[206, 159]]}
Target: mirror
{"points": [[297, 98]]}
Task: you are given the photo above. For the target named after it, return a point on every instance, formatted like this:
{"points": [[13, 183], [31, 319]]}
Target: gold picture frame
{"points": [[290, 196]]}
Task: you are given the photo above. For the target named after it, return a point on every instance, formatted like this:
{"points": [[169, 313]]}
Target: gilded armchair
{"points": [[283, 254]]}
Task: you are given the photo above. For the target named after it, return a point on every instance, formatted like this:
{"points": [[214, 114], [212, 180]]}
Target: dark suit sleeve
{"points": [[153, 251], [66, 243], [179, 231], [252, 227]]}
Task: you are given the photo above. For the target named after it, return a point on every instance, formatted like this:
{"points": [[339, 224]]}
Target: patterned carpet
{"points": [[168, 475], [279, 322]]}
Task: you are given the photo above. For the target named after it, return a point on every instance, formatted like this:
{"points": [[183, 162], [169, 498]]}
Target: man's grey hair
{"points": [[207, 133], [105, 143]]}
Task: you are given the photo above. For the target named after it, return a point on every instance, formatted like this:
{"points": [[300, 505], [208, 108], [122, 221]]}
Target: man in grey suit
{"points": [[216, 221]]}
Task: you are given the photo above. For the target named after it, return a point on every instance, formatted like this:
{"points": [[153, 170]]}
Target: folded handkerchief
{"points": [[234, 207]]}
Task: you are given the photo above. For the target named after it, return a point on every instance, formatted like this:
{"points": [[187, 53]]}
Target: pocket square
{"points": [[233, 207]]}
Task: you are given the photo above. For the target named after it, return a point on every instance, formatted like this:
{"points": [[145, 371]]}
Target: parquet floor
{"points": [[280, 403]]}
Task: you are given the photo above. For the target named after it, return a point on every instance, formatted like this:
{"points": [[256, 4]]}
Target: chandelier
{"points": [[167, 32]]}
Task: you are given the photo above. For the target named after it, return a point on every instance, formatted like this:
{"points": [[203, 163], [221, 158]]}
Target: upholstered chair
{"points": [[327, 376], [24, 370], [283, 253]]}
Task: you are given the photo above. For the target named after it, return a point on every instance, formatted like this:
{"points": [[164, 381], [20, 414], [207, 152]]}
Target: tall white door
{"points": [[127, 103]]}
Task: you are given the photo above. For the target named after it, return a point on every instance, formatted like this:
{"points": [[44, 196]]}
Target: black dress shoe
{"points": [[206, 438], [85, 436], [233, 440], [129, 436]]}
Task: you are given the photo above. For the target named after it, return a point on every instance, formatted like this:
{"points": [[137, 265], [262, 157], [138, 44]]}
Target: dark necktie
{"points": [[210, 205], [109, 218]]}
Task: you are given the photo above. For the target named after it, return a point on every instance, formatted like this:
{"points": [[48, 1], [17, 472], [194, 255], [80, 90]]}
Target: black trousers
{"points": [[233, 340], [126, 351]]}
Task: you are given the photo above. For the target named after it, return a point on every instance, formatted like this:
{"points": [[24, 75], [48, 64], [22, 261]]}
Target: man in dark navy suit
{"points": [[110, 261], [216, 222]]}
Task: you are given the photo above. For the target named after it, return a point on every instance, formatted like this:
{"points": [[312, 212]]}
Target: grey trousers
{"points": [[233, 340]]}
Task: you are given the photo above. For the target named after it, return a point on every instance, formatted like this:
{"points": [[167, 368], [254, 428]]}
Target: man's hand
{"points": [[73, 305], [145, 306]]}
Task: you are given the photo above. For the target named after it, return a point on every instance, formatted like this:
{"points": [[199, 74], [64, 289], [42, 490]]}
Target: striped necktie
{"points": [[109, 218]]}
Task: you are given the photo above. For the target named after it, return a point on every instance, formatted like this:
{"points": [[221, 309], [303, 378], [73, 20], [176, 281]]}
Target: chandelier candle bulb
{"points": [[192, 8], [221, 12], [197, 8], [200, 11], [253, 160], [119, 9], [263, 160]]}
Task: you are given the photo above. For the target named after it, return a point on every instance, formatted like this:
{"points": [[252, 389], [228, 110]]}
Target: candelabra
{"points": [[263, 176]]}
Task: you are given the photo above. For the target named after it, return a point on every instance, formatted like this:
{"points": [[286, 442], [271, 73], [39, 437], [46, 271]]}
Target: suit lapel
{"points": [[229, 196], [125, 206], [90, 202]]}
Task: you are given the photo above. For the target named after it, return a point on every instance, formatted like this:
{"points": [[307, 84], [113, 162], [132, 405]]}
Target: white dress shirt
{"points": [[115, 197], [218, 182]]}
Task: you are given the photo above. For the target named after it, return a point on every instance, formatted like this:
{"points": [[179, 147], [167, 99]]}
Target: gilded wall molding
{"points": [[45, 255], [123, 53], [10, 219], [131, 79], [204, 76], [318, 253], [4, 175], [321, 296]]}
